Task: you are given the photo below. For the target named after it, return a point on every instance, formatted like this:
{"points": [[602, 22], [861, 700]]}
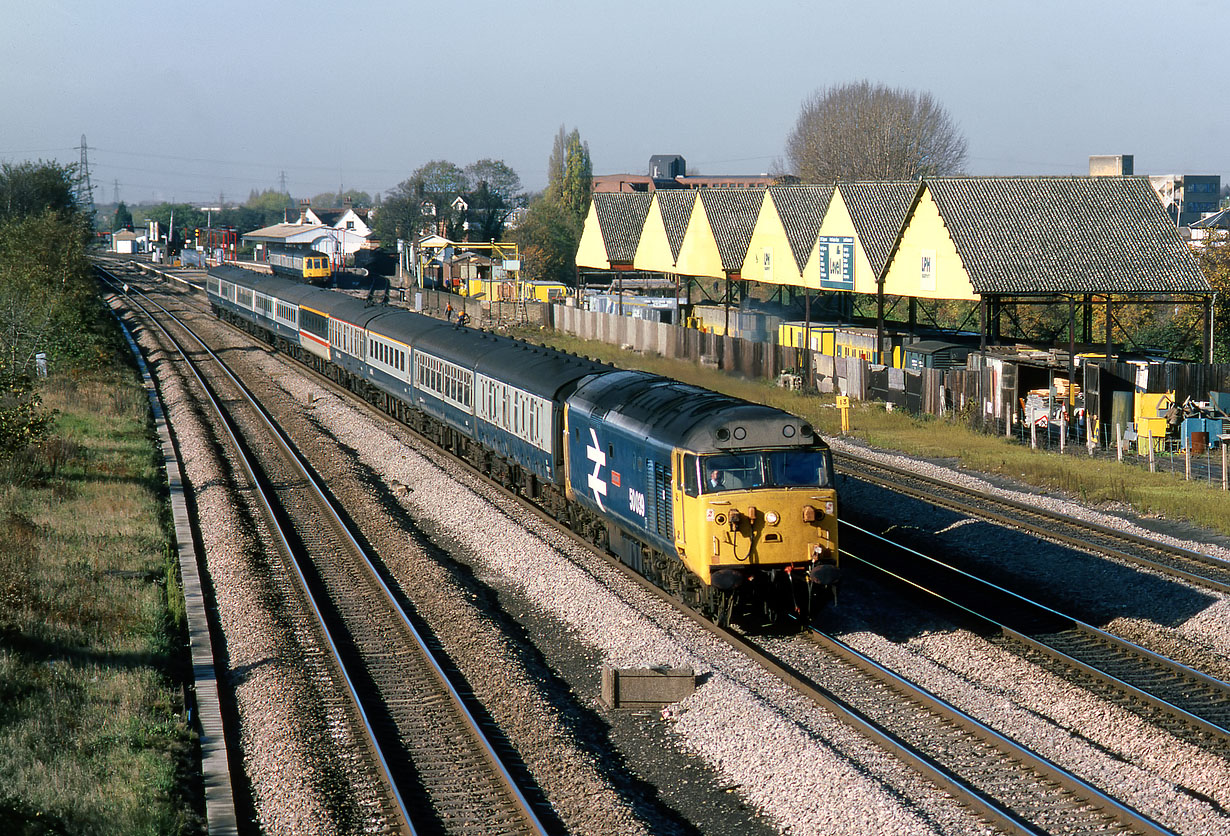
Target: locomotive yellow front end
{"points": [[760, 525]]}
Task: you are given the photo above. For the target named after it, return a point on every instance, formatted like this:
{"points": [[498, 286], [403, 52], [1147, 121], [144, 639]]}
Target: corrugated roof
{"points": [[280, 232], [732, 216], [675, 206], [878, 208], [621, 217], [802, 210], [1037, 235], [1218, 220]]}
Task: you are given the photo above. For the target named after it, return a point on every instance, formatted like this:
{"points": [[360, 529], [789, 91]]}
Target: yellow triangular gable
{"points": [[653, 250], [769, 257], [592, 250], [699, 254], [838, 224], [925, 263]]}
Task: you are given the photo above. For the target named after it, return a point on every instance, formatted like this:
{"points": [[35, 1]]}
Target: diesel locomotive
{"points": [[300, 261], [729, 504]]}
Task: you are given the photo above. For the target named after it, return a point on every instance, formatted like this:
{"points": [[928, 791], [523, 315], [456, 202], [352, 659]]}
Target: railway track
{"points": [[1187, 702], [1013, 789], [445, 769], [1183, 564]]}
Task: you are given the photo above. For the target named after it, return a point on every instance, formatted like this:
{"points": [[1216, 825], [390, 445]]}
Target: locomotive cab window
{"points": [[797, 468], [800, 468], [690, 475]]}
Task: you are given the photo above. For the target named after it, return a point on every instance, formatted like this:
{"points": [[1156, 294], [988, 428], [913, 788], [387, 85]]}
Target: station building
{"points": [[339, 244]]}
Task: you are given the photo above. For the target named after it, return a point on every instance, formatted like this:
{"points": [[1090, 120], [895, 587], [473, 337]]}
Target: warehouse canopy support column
{"points": [[982, 324], [807, 320], [1110, 346], [1207, 336], [880, 317], [1071, 361], [726, 327]]}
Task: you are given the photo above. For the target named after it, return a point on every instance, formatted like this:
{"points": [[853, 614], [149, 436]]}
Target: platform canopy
{"points": [[972, 237], [288, 234]]}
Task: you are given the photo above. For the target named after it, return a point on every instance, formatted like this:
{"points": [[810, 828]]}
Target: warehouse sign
{"points": [[926, 270], [836, 262]]}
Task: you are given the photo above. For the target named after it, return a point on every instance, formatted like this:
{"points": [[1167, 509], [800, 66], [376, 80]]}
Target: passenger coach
{"points": [[621, 456]]}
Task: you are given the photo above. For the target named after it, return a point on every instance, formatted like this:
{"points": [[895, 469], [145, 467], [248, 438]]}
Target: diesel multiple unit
{"points": [[728, 503]]}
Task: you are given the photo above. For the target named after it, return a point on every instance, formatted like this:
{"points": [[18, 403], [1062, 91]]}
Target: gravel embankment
{"points": [[297, 752]]}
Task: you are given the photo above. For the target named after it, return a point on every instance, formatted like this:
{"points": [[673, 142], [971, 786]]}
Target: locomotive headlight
{"points": [[771, 517]]}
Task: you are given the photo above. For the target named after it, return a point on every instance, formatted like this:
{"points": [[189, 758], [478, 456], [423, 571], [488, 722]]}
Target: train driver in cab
{"points": [[717, 480]]}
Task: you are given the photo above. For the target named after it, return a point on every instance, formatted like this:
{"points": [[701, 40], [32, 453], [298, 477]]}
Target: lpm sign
{"points": [[836, 262]]}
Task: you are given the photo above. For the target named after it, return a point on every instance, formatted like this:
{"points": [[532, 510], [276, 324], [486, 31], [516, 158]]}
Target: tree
{"points": [[123, 217], [48, 306], [423, 200], [178, 220], [495, 192], [555, 163], [551, 231], [48, 301], [570, 173], [577, 186], [548, 238], [27, 188], [269, 202], [337, 199], [865, 131]]}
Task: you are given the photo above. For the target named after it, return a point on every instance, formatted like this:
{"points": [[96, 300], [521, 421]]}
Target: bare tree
{"points": [[865, 131]]}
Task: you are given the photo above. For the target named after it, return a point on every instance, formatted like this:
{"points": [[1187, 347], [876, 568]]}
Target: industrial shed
{"points": [[994, 241]]}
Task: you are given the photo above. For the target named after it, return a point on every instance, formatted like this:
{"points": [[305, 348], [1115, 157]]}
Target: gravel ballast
{"points": [[759, 745]]}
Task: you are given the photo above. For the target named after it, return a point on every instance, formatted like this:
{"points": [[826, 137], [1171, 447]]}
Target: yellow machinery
{"points": [[1150, 409]]}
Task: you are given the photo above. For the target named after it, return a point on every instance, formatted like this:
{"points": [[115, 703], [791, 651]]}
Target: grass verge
{"points": [[93, 736], [1092, 480]]}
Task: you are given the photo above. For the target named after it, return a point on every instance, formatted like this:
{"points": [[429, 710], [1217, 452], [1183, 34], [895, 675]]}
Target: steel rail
{"points": [[342, 527], [1034, 609], [900, 484]]}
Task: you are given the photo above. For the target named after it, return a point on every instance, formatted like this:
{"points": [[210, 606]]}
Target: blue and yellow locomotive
{"points": [[731, 505], [712, 497]]}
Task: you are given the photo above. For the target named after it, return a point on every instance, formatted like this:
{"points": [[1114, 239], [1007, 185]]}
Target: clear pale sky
{"points": [[186, 101]]}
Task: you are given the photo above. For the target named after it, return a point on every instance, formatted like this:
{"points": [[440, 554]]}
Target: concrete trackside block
{"points": [[653, 687]]}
